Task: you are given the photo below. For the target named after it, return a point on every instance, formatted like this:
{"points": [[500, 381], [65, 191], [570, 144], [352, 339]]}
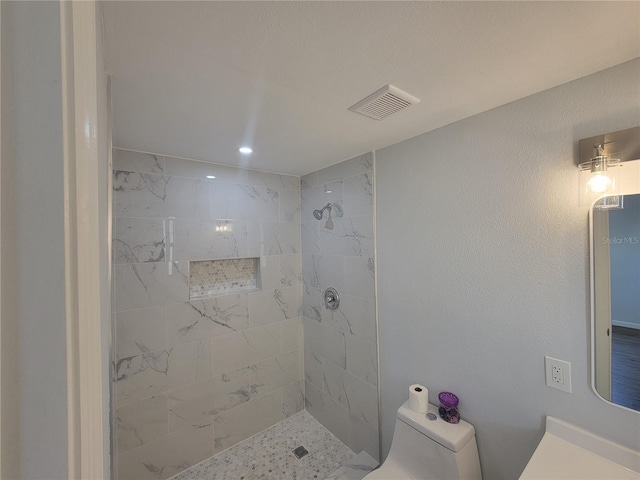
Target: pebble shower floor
{"points": [[269, 454]]}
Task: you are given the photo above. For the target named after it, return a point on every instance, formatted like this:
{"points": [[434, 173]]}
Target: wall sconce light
{"points": [[223, 227], [598, 179]]}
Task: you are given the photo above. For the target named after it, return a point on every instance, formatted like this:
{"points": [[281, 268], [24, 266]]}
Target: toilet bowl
{"points": [[426, 447]]}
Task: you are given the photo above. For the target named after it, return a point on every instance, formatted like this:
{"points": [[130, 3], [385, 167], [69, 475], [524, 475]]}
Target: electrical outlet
{"points": [[558, 374]]}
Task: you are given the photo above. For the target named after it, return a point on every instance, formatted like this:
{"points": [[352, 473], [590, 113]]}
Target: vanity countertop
{"points": [[567, 452]]}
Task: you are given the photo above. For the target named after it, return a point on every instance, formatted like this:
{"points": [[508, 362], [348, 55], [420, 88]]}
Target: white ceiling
{"points": [[199, 79]]}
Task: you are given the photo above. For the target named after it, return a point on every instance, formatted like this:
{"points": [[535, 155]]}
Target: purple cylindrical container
{"points": [[449, 407]]}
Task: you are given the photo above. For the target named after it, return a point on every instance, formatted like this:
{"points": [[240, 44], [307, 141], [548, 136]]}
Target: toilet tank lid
{"points": [[451, 436]]}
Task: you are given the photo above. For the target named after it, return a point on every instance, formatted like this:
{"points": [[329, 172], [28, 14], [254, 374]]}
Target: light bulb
{"points": [[599, 182], [598, 177], [245, 150]]}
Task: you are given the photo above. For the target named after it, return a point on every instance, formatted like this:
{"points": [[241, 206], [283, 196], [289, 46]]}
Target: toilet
{"points": [[426, 447]]}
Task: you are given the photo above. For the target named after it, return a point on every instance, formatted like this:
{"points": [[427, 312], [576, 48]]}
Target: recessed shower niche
{"points": [[208, 278]]}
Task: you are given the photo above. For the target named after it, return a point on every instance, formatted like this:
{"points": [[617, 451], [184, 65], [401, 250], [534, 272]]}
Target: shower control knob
{"points": [[331, 298]]}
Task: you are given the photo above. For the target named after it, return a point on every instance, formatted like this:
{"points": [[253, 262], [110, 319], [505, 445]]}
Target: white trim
{"points": [[602, 304], [616, 323], [376, 267], [1, 431], [68, 142], [110, 448], [85, 369]]}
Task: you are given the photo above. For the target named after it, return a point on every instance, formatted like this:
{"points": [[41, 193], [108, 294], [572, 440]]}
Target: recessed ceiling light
{"points": [[211, 176], [245, 150]]}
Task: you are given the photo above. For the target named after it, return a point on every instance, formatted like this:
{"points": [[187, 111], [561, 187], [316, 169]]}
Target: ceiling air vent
{"points": [[384, 102]]}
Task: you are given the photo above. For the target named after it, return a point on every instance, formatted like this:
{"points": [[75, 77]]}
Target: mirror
{"points": [[615, 296]]}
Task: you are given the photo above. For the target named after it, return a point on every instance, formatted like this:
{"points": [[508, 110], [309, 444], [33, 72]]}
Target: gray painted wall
{"points": [[9, 325], [33, 226], [483, 266]]}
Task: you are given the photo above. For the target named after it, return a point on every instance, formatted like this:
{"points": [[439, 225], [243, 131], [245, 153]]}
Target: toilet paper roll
{"points": [[418, 398]]}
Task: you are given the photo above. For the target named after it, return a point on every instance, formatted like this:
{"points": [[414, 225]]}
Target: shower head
{"points": [[318, 213]]}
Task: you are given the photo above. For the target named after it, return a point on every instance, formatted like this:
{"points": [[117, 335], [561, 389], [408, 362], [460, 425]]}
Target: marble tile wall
{"points": [[192, 378], [340, 352]]}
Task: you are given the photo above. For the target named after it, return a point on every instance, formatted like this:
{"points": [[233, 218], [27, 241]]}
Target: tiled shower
{"points": [[214, 268]]}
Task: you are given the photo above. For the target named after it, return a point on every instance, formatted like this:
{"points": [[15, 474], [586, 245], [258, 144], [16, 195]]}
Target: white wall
{"points": [[32, 216], [483, 266]]}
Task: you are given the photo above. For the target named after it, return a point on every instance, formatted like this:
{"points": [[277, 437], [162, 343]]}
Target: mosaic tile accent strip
{"points": [[216, 277], [269, 454]]}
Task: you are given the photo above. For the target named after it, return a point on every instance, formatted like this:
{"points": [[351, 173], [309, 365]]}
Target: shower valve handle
{"points": [[331, 299]]}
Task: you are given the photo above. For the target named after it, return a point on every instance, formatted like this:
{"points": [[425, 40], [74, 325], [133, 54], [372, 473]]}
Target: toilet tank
{"points": [[432, 449]]}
